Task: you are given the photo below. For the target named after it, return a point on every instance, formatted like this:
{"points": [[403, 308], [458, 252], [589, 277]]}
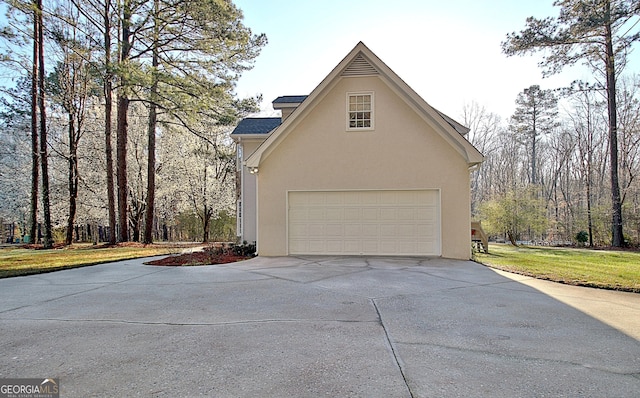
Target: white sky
{"points": [[447, 51]]}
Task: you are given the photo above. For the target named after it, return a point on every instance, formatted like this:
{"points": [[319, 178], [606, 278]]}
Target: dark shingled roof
{"points": [[256, 125], [290, 99]]}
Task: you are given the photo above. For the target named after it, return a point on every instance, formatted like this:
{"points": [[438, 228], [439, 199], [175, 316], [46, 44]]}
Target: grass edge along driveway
{"points": [[20, 261], [604, 269]]}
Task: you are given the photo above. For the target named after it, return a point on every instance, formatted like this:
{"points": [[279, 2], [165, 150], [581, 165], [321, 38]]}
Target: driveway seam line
{"points": [[393, 348], [246, 322], [100, 286], [523, 357]]}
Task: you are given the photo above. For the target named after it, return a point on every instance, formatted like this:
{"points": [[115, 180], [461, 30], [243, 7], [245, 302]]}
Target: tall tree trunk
{"points": [[151, 172], [206, 220], [206, 213], [121, 141], [35, 150], [534, 180], [589, 178], [617, 239], [108, 95], [151, 150], [73, 177], [121, 167], [44, 164]]}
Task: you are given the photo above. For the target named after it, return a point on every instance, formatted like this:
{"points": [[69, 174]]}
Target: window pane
{"points": [[360, 111]]}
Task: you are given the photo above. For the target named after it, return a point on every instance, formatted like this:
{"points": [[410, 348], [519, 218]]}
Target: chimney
{"points": [[287, 104]]}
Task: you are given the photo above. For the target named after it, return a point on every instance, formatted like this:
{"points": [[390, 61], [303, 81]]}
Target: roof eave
{"points": [[240, 137]]}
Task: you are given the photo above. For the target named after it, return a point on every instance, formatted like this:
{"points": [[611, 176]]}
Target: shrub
{"points": [[582, 237], [245, 249]]}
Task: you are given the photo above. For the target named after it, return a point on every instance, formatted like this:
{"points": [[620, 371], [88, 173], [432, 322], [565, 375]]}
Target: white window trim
{"points": [[373, 111]]}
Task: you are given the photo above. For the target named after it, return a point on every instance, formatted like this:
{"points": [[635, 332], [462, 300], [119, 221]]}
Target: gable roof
{"points": [[363, 62], [256, 125]]}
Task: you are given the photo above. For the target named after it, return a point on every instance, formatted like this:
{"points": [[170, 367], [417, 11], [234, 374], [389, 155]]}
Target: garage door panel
{"points": [[334, 214], [352, 214], [388, 214], [409, 213], [316, 231], [370, 246], [365, 199], [316, 214], [352, 246], [389, 246], [407, 247], [299, 230], [370, 214], [333, 198], [298, 246], [388, 230], [406, 231], [370, 230], [364, 222], [352, 230], [426, 230], [335, 230]]}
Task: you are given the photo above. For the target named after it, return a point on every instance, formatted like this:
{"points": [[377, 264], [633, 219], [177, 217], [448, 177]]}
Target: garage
{"points": [[370, 222]]}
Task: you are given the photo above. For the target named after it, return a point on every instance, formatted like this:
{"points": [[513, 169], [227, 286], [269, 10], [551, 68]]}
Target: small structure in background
{"points": [[479, 237]]}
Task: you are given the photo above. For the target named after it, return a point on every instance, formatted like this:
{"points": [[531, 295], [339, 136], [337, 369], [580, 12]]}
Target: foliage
{"points": [[535, 116], [245, 249], [577, 34], [202, 47], [223, 227], [598, 33], [582, 237], [606, 269], [15, 153], [514, 213]]}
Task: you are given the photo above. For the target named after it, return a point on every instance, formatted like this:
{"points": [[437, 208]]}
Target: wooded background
{"points": [[116, 125], [122, 110]]}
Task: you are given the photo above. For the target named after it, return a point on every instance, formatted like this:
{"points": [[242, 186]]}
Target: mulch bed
{"points": [[206, 257]]}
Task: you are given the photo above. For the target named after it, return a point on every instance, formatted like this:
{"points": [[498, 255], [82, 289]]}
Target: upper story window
{"points": [[360, 111]]}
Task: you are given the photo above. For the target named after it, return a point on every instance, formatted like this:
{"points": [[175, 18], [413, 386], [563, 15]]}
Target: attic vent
{"points": [[360, 67]]}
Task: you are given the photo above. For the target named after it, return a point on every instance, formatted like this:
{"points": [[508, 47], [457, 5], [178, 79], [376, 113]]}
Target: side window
{"points": [[360, 111]]}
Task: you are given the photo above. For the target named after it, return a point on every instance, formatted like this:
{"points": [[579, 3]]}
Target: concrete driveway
{"points": [[317, 326]]}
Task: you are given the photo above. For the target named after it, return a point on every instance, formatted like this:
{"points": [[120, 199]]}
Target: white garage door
{"points": [[365, 222]]}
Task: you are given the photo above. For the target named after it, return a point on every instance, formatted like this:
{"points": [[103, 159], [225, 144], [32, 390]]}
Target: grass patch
{"points": [[605, 269], [18, 261]]}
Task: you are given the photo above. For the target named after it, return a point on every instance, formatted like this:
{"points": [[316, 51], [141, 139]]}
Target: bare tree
{"points": [[599, 34]]}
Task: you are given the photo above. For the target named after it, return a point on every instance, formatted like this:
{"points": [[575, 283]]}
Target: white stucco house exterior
{"points": [[361, 166]]}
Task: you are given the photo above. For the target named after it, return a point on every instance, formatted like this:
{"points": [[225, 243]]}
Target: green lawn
{"points": [[16, 261], [607, 269]]}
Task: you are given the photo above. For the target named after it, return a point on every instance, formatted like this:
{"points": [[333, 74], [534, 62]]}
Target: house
{"points": [[360, 166]]}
